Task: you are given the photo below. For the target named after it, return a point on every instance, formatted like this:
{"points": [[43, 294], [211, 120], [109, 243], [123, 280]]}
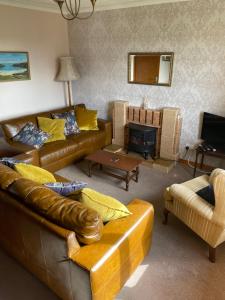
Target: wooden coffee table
{"points": [[112, 161]]}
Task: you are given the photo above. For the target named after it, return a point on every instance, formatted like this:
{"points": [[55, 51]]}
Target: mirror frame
{"points": [[152, 53]]}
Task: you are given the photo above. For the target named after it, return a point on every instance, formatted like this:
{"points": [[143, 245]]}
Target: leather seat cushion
{"points": [[51, 152], [89, 140]]}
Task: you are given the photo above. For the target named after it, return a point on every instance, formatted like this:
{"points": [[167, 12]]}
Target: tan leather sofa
{"points": [[49, 239], [56, 155]]}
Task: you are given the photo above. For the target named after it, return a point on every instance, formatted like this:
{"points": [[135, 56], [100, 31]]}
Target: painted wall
{"points": [[193, 30], [45, 37]]}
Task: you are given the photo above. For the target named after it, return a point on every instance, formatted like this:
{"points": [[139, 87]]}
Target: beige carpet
{"points": [[176, 267]]}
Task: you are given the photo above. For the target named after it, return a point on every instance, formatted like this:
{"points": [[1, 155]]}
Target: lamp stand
{"points": [[69, 92]]}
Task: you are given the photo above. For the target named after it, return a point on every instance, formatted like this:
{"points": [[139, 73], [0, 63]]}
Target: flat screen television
{"points": [[213, 130]]}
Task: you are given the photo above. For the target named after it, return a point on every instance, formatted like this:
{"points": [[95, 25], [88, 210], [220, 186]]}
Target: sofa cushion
{"points": [[108, 207], [89, 140], [34, 173], [10, 161], [51, 152], [55, 128], [71, 126], [31, 135], [70, 214], [66, 188], [86, 119]]}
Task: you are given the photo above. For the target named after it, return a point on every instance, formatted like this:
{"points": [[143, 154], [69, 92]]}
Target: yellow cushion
{"points": [[86, 119], [53, 126], [108, 207], [34, 173]]}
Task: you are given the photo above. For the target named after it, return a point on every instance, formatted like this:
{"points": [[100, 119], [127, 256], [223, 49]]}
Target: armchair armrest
{"points": [[123, 245], [215, 173], [219, 191], [107, 127]]}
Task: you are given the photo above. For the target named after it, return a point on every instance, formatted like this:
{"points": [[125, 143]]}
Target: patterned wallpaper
{"points": [[193, 30]]}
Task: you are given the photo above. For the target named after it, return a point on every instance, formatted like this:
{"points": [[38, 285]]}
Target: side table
{"points": [[200, 151]]}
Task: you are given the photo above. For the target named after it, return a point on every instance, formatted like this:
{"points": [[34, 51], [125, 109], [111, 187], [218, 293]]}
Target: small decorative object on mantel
{"points": [[14, 66], [70, 10], [145, 102]]}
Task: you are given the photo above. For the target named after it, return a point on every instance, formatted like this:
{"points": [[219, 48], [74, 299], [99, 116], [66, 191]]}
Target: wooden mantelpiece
{"points": [[148, 117]]}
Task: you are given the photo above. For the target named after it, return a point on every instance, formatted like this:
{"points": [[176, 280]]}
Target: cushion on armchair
{"points": [[207, 193]]}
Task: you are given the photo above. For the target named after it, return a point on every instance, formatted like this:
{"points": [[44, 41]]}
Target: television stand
{"points": [[207, 150]]}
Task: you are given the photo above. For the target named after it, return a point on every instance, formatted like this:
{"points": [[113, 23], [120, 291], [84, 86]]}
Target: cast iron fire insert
{"points": [[141, 139]]}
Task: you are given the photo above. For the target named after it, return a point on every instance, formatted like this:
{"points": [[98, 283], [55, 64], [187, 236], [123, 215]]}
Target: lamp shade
{"points": [[67, 69]]}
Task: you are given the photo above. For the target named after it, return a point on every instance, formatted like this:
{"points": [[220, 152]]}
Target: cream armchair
{"points": [[204, 219]]}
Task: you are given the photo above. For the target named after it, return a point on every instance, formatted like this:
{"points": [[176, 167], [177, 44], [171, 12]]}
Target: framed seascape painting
{"points": [[14, 66]]}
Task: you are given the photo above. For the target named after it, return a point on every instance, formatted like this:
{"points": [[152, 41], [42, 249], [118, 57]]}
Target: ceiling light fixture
{"points": [[70, 9]]}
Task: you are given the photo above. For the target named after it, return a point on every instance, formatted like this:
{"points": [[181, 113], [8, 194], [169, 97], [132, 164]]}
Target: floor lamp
{"points": [[67, 72]]}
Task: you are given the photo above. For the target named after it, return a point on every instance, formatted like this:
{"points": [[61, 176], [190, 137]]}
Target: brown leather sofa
{"points": [[53, 237], [56, 155]]}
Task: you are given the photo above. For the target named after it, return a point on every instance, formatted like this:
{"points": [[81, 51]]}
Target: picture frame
{"points": [[14, 66]]}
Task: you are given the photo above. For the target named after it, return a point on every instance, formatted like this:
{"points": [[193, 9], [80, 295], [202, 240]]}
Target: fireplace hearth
{"points": [[141, 139]]}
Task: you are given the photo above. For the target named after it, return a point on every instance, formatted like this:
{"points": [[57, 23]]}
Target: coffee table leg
{"points": [[127, 181], [137, 174]]}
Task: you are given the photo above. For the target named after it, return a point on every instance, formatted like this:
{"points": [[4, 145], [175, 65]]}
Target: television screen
{"points": [[213, 130]]}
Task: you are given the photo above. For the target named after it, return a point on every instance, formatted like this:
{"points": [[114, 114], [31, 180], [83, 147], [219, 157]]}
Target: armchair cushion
{"points": [[207, 193]]}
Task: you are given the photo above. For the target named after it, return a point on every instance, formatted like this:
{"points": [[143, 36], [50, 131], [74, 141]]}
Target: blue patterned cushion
{"points": [[66, 188], [31, 135], [71, 126], [10, 161]]}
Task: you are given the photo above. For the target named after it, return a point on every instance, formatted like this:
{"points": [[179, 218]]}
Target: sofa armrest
{"points": [[107, 127], [27, 153], [23, 148], [123, 245]]}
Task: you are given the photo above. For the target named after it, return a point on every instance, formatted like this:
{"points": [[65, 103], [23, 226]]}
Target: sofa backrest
{"points": [[70, 214], [11, 127]]}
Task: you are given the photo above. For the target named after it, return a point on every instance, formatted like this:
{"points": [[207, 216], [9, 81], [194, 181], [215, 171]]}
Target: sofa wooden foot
{"points": [[212, 254], [166, 213]]}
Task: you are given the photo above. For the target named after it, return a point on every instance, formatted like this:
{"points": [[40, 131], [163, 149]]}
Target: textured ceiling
{"points": [[50, 5]]}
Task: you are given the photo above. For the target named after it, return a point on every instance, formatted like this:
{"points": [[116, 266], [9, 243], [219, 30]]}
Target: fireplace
{"points": [[141, 139]]}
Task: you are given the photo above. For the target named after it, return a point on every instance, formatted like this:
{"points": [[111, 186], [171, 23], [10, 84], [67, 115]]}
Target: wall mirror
{"points": [[150, 68]]}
